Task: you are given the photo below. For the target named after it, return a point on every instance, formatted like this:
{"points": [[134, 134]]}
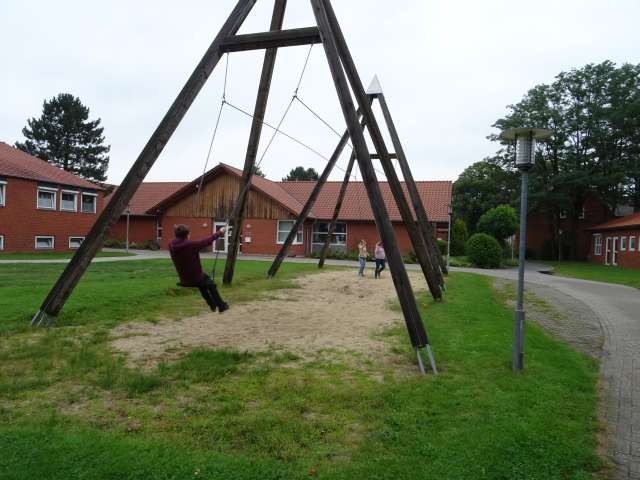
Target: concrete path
{"points": [[618, 309]]}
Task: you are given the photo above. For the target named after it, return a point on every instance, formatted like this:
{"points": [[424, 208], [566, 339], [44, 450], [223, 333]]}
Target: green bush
{"points": [[410, 257], [146, 245], [459, 237], [114, 243], [442, 246], [484, 251], [500, 222]]}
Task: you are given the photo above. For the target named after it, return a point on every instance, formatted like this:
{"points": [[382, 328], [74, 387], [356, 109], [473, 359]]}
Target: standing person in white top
{"points": [[380, 257], [362, 256]]}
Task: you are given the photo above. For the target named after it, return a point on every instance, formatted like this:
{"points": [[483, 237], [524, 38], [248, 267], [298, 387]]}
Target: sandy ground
{"points": [[332, 310]]}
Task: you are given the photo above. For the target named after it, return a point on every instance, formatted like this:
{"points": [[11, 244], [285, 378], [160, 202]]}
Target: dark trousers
{"points": [[209, 292], [380, 264]]}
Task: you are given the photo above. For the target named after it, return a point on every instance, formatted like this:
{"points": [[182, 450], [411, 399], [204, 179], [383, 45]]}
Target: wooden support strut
{"points": [[74, 270], [336, 211], [406, 297], [309, 204], [338, 207], [273, 39], [421, 214], [237, 218], [418, 243]]}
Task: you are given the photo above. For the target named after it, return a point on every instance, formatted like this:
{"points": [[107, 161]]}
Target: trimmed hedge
{"points": [[484, 251]]}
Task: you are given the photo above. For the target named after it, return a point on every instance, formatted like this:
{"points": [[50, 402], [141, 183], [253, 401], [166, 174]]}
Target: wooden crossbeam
{"points": [[283, 38]]}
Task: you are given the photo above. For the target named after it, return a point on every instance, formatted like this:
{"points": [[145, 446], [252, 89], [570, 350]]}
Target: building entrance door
{"points": [[220, 245], [614, 252], [607, 251]]}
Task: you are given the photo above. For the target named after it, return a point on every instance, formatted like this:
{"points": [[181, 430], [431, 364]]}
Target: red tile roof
{"points": [[436, 196], [18, 164], [627, 221], [150, 194]]}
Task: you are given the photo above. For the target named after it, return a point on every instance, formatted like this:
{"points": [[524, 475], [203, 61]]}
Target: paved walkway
{"points": [[618, 309]]}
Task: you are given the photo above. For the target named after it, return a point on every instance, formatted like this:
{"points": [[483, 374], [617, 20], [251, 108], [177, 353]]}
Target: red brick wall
{"points": [[540, 229], [141, 229], [263, 234], [627, 258], [21, 221]]}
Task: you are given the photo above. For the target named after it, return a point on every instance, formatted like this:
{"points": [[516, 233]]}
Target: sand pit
{"points": [[333, 310]]}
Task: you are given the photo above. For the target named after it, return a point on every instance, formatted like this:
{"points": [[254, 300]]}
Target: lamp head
{"points": [[525, 144]]}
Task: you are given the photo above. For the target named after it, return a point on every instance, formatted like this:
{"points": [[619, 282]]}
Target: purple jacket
{"points": [[185, 255]]}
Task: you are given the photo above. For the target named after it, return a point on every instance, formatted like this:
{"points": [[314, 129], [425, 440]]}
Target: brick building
{"points": [[42, 207], [271, 210], [545, 234], [616, 242]]}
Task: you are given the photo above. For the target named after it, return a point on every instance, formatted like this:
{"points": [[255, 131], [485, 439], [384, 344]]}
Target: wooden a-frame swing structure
{"points": [[344, 74]]}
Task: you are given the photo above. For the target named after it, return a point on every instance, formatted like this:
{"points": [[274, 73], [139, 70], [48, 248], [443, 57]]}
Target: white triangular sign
{"points": [[374, 87]]}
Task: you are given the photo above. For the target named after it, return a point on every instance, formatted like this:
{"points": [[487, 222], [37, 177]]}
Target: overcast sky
{"points": [[448, 69]]}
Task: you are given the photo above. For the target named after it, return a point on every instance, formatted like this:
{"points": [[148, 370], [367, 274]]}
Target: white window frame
{"points": [[95, 202], [338, 234], [75, 238], [299, 240], [623, 244], [53, 242], [75, 200], [583, 214], [54, 191], [1, 242], [597, 249], [563, 214], [3, 193], [632, 246]]}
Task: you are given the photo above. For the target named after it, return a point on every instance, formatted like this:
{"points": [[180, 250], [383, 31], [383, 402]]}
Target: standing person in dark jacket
{"points": [[185, 255]]}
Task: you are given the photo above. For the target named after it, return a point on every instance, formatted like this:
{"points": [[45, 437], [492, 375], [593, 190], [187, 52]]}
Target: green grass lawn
{"points": [[600, 273], [70, 408], [55, 255]]}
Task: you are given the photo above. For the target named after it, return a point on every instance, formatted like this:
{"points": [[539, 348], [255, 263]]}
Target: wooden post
{"points": [[93, 242], [401, 282], [237, 217], [419, 245], [418, 207], [308, 205], [336, 210]]}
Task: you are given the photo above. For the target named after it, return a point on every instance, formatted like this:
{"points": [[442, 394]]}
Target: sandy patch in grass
{"points": [[332, 310]]}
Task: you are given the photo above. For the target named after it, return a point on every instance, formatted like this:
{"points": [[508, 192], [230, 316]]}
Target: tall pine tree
{"points": [[64, 136]]}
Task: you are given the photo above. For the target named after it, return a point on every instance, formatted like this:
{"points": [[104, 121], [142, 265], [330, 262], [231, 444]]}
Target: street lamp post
{"points": [[126, 244], [450, 211], [525, 139]]}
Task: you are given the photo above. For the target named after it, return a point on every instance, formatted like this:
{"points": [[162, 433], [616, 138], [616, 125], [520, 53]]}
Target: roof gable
{"points": [[18, 164]]}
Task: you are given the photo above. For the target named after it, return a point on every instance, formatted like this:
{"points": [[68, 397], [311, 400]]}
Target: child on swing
{"points": [[185, 255]]}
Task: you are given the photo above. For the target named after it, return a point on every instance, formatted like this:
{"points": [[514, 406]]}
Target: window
{"points": [[632, 244], [582, 214], [89, 202], [47, 198], [563, 214], [284, 227], [1, 242], [321, 229], [75, 242], [598, 245], [3, 192], [623, 244], [69, 201], [44, 243]]}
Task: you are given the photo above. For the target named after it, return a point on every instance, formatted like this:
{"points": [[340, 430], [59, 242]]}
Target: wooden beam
{"points": [[375, 156], [308, 205], [400, 278], [336, 211], [274, 39], [421, 214], [93, 242], [259, 110], [418, 243]]}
